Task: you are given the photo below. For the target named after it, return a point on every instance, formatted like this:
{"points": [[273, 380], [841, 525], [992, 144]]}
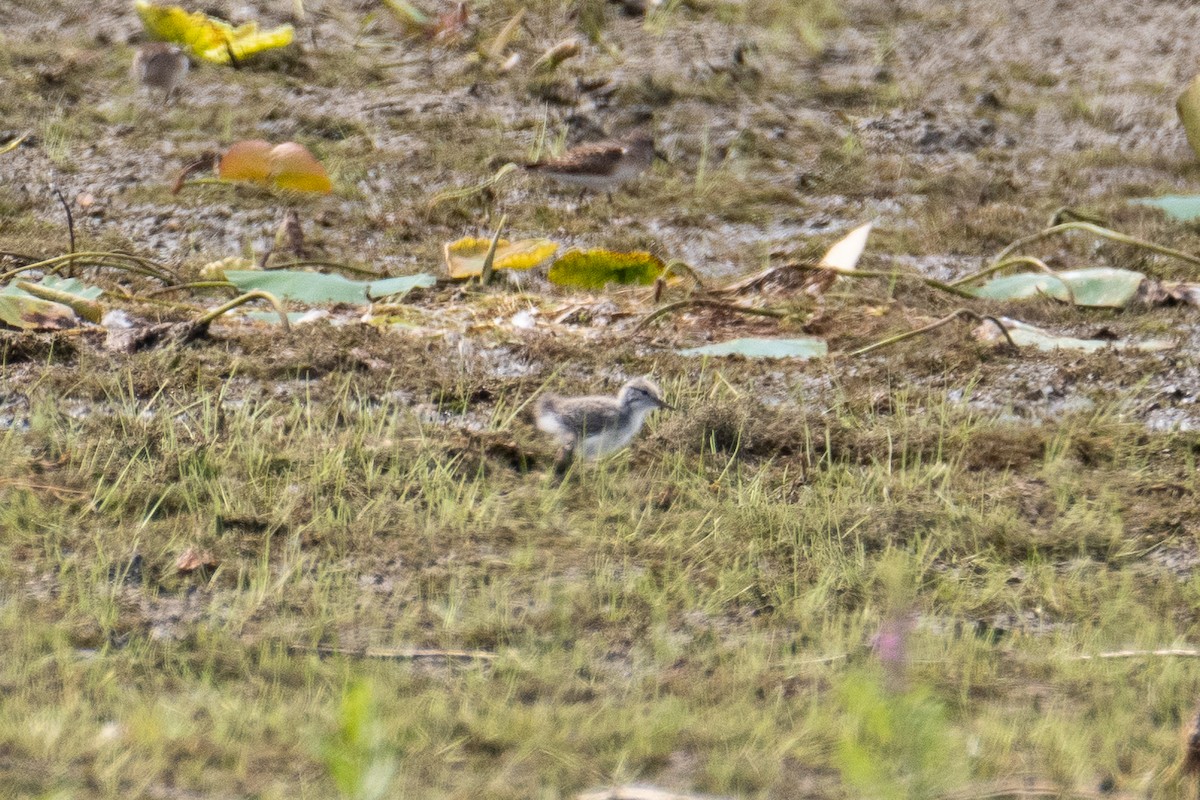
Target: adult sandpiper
{"points": [[602, 166]]}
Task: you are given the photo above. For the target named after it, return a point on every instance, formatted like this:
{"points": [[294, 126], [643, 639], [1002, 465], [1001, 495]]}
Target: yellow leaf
{"points": [[249, 160], [284, 166], [464, 258], [209, 38], [293, 167]]}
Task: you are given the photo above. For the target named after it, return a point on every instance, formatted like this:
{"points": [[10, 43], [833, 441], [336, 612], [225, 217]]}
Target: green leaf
{"points": [[23, 311], [1096, 287], [595, 269], [70, 292], [1179, 207], [315, 288], [803, 348]]}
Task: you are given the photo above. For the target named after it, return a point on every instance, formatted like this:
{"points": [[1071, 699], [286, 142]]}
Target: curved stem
{"points": [[1092, 228], [125, 261], [860, 273], [193, 285], [1036, 263], [257, 294], [681, 268], [1064, 214], [960, 313], [700, 301]]}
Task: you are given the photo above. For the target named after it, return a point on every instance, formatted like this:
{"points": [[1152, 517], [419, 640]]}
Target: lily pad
{"points": [[1096, 287], [70, 292], [34, 314], [284, 166], [209, 38], [464, 258], [595, 269], [315, 288], [803, 348], [1179, 207], [1024, 335]]}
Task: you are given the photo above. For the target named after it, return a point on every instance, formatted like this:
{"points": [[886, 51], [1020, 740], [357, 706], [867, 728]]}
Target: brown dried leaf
{"points": [[192, 560]]}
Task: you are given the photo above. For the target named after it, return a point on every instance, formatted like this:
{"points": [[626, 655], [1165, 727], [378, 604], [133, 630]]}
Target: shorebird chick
{"points": [[160, 66], [602, 166], [590, 427]]}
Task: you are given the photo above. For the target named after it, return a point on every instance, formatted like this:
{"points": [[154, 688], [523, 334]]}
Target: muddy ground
{"points": [[955, 127]]}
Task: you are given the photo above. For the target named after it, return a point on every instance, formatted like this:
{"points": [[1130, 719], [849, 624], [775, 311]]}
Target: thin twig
{"points": [[396, 654], [702, 301], [960, 313], [257, 294], [1177, 652], [70, 219]]}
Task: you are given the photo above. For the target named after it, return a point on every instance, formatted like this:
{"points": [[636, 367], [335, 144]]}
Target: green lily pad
{"points": [[803, 348], [315, 288], [34, 314], [1096, 287], [595, 269], [1179, 207], [388, 287]]}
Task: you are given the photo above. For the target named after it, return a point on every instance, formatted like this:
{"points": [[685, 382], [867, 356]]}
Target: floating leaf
{"points": [[1188, 108], [34, 314], [389, 287], [1179, 207], [315, 288], [464, 258], [293, 167], [69, 292], [284, 166], [845, 253], [595, 269], [209, 38], [805, 347], [1024, 335], [1096, 287], [248, 160]]}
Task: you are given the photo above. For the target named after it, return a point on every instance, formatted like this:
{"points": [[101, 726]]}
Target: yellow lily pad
{"points": [[284, 166], [464, 258], [595, 269], [208, 38]]}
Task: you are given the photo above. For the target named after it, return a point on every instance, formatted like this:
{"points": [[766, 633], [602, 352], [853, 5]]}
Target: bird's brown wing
{"points": [[600, 158]]}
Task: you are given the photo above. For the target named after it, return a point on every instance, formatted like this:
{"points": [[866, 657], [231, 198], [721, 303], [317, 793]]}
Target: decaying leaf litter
{"points": [[750, 190]]}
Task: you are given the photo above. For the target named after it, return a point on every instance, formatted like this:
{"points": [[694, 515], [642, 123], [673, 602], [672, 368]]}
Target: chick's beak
{"points": [[664, 404]]}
